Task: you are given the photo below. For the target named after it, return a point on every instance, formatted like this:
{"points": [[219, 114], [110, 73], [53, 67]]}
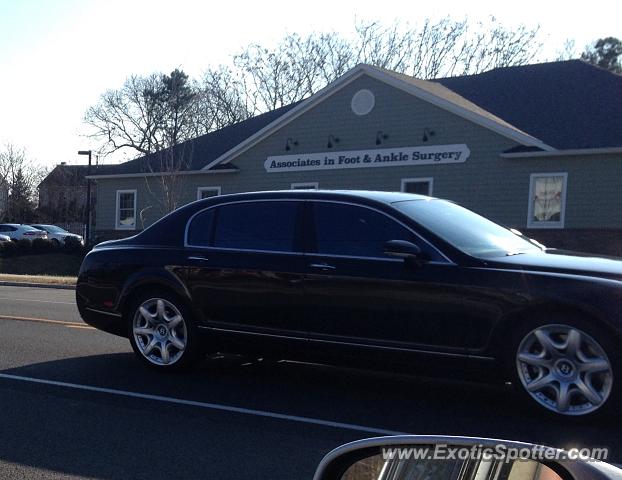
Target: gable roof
{"points": [[569, 104], [422, 89], [201, 150]]}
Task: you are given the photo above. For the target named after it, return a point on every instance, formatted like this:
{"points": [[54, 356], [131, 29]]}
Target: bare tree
{"points": [[19, 178], [568, 51], [166, 181], [297, 67], [128, 118], [224, 98]]}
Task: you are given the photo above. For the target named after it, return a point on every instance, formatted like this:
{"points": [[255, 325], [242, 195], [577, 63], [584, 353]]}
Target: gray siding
{"points": [[487, 183]]}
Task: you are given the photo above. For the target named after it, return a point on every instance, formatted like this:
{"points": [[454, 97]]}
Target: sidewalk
{"points": [[39, 281]]}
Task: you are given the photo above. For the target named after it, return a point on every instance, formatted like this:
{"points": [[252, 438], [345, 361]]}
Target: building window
{"points": [[305, 186], [126, 210], [420, 186], [547, 200], [207, 192]]}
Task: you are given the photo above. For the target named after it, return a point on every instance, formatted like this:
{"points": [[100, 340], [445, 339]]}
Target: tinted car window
{"points": [[200, 229], [257, 226], [342, 229]]}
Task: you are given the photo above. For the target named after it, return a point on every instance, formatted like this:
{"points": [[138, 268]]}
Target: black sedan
{"points": [[372, 277]]}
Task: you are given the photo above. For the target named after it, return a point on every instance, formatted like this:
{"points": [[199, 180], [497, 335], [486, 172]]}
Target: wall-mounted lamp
{"points": [[380, 137], [289, 143], [427, 134], [331, 141]]}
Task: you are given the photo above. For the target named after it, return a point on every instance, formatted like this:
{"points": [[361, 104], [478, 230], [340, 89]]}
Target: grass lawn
{"points": [[48, 264]]}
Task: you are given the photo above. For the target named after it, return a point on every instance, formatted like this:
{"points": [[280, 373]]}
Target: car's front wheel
{"points": [[162, 332], [567, 368]]}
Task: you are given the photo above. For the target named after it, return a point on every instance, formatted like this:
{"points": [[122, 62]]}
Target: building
{"points": [[62, 195], [537, 148]]}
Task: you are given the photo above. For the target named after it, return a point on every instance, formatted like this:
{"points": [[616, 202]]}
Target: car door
{"points": [[360, 296], [245, 267]]}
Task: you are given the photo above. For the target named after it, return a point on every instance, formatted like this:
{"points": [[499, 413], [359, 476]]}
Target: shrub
{"points": [[23, 245], [72, 244], [42, 245], [9, 248]]}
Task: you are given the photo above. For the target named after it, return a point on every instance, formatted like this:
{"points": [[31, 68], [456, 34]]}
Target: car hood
{"points": [[561, 261]]}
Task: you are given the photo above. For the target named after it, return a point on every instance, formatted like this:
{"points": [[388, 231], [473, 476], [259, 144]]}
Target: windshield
{"points": [[464, 229]]}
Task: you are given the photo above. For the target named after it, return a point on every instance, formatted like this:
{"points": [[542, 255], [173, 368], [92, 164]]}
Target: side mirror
{"points": [[425, 457], [401, 249]]}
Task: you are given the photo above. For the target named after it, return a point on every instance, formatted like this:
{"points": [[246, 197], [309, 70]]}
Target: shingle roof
{"points": [[439, 90], [568, 105], [201, 150]]}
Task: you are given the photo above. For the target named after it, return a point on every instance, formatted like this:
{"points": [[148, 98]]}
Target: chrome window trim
{"points": [[188, 245]]}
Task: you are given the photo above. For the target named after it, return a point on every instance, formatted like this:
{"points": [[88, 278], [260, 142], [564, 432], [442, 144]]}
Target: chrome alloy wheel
{"points": [[159, 331], [564, 369]]}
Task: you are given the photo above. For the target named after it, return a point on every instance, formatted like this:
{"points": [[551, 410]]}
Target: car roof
{"points": [[379, 196]]}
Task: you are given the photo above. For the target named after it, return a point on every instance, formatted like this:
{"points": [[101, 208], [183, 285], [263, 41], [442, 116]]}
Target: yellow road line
{"points": [[60, 323]]}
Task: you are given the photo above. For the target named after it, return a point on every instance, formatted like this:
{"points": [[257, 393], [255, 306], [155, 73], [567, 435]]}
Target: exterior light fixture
{"points": [[331, 141], [380, 137], [289, 143], [427, 134]]}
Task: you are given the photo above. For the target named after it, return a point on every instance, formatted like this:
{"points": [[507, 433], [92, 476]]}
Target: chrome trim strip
{"points": [[102, 312], [229, 330], [402, 349], [411, 350]]}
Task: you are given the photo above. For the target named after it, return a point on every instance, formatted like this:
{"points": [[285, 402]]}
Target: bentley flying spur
{"points": [[377, 277]]}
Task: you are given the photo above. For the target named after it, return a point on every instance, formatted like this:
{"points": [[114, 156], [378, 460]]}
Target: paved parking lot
{"points": [[74, 403]]}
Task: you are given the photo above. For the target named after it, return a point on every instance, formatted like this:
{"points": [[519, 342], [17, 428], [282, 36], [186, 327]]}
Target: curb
{"points": [[37, 285]]}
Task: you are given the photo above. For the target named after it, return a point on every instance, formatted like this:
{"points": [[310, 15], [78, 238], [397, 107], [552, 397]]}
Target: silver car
{"points": [[57, 234], [18, 231]]}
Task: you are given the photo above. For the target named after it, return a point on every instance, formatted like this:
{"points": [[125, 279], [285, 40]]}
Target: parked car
{"points": [[18, 231], [57, 234], [375, 278]]}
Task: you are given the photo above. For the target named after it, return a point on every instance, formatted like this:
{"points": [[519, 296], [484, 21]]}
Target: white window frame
{"points": [[562, 213], [117, 225], [207, 189], [306, 185], [429, 180]]}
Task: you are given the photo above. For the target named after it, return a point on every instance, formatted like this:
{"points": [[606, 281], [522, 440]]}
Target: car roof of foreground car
{"points": [[385, 197]]}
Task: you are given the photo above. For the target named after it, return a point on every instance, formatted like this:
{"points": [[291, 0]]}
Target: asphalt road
{"points": [[75, 403]]}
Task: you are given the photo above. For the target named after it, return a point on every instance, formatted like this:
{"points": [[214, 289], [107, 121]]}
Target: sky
{"points": [[58, 56]]}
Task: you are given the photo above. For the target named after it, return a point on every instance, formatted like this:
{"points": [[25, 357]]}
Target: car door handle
{"points": [[322, 266], [199, 259]]}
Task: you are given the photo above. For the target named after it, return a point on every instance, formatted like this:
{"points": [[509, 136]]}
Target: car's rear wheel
{"points": [[568, 368], [162, 332]]}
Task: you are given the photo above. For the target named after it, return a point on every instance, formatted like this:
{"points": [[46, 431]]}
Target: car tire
{"points": [[565, 365], [162, 331], [55, 243]]}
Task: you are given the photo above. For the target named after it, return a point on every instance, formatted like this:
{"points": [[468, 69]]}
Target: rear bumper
{"points": [[106, 321]]}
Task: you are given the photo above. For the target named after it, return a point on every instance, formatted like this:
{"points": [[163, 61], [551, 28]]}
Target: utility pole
{"points": [[87, 233]]}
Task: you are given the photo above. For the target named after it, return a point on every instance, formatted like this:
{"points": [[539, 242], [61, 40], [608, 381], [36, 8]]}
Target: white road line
{"points": [[37, 301], [209, 406]]}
